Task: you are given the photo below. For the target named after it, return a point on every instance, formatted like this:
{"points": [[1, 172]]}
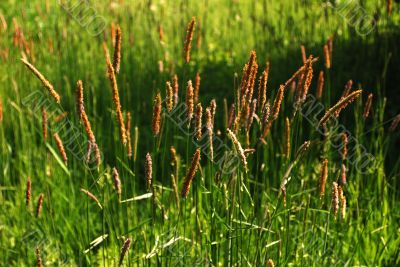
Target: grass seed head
{"points": [[196, 88], [115, 95], [199, 115], [327, 57], [188, 39], [323, 178], [92, 197], [303, 54], [117, 182], [28, 193], [339, 106], [170, 96], [335, 198], [44, 123], [277, 102], [238, 147], [61, 148], [125, 248], [156, 123], [189, 101], [117, 49], [128, 134], [191, 174], [320, 84], [44, 81], [38, 257], [149, 170], [368, 105], [39, 205], [175, 86], [210, 126]]}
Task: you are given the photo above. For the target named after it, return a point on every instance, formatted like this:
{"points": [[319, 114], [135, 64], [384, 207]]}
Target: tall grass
{"points": [[165, 197]]}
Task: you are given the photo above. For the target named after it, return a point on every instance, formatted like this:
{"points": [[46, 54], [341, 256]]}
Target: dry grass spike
{"points": [[117, 49], [28, 193], [189, 101], [44, 81], [44, 124], [335, 110], [124, 250], [117, 182], [39, 205], [368, 105], [199, 115], [156, 123], [92, 197], [115, 93], [61, 148], [191, 174], [188, 39], [323, 178], [149, 170]]}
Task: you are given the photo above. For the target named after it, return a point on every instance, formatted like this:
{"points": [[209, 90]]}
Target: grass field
{"points": [[135, 156]]}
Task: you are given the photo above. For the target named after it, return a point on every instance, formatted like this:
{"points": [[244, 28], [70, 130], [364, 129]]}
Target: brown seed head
{"points": [[44, 123], [161, 32], [210, 126], [128, 134], [197, 88], [191, 173], [189, 101], [117, 182], [232, 115], [320, 85], [156, 124], [335, 198], [389, 7], [213, 109], [170, 97], [125, 248], [149, 170], [115, 93], [327, 57], [343, 201], [271, 263], [38, 258], [344, 146], [188, 40], [61, 148], [44, 81], [303, 54], [262, 88], [277, 102], [238, 147], [335, 110], [28, 191], [92, 197], [174, 158], [343, 174], [199, 114], [323, 178], [39, 205], [368, 105], [175, 86], [117, 49], [79, 99]]}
